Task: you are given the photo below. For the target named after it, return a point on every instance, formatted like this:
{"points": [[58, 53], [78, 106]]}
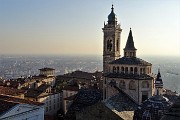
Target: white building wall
{"points": [[53, 103]]}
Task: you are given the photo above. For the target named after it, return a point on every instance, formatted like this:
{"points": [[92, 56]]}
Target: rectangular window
{"points": [[46, 109], [49, 108], [54, 106]]}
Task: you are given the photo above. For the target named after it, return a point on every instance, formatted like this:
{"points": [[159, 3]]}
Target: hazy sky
{"points": [[75, 26]]}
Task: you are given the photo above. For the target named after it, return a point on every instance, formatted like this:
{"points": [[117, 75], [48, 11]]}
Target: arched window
{"points": [[122, 69], [117, 69], [131, 70], [117, 45], [135, 70], [109, 45], [125, 54], [132, 54], [144, 70], [114, 69], [122, 84], [141, 70], [126, 70], [145, 84], [132, 85]]}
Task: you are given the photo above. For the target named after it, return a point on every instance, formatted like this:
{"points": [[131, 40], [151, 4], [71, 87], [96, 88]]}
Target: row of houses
{"points": [[42, 92]]}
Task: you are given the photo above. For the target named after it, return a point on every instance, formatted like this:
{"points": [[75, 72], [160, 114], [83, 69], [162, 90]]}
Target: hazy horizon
{"points": [[70, 27]]}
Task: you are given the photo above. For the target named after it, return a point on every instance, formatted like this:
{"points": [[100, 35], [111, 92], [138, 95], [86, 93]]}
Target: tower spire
{"points": [[112, 8], [130, 50], [159, 83]]}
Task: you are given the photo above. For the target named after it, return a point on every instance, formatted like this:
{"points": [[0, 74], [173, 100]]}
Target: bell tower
{"points": [[111, 42]]}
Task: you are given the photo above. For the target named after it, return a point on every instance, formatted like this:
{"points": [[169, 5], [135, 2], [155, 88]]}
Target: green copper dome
{"points": [[112, 16]]}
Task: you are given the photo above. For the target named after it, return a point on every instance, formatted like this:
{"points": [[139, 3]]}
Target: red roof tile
{"points": [[11, 91], [19, 100]]}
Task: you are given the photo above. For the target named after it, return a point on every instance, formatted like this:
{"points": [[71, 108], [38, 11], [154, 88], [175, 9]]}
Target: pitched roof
{"points": [[83, 99], [11, 91], [7, 102], [121, 102], [5, 105], [34, 93], [131, 61], [19, 100], [130, 42]]}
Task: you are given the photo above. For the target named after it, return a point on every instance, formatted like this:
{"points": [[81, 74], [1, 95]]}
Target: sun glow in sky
{"points": [[75, 26]]}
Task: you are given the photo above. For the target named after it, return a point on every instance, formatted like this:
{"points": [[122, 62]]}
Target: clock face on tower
{"points": [[109, 43]]}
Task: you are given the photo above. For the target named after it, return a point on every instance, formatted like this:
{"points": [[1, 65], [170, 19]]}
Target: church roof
{"points": [[130, 42], [84, 98], [130, 61], [121, 102]]}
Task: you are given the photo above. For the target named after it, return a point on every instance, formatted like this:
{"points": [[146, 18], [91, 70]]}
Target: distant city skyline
{"points": [[67, 27]]}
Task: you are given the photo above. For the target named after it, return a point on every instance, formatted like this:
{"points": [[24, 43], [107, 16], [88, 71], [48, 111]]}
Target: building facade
{"points": [[44, 94], [128, 73], [69, 93]]}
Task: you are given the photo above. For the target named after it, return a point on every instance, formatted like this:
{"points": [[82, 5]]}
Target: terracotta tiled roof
{"points": [[11, 91], [11, 83], [19, 100]]}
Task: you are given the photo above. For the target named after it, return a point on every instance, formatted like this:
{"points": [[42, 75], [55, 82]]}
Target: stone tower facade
{"points": [[111, 43]]}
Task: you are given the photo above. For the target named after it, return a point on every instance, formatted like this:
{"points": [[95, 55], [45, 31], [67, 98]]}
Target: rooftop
{"points": [[174, 112], [83, 99], [8, 102], [11, 91], [129, 76], [18, 100], [36, 92], [131, 61], [121, 102], [46, 69], [71, 88], [152, 108]]}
